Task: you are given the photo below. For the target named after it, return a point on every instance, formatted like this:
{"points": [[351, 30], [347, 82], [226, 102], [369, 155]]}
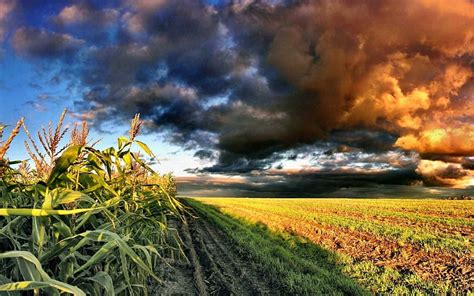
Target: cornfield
{"points": [[81, 220]]}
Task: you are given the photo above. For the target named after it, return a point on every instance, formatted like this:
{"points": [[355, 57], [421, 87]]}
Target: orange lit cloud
{"points": [[437, 172], [450, 141], [212, 180], [407, 74]]}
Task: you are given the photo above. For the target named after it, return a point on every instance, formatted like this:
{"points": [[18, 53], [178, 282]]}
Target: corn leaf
{"points": [[104, 279], [41, 212], [38, 271], [5, 280], [145, 148], [23, 286], [98, 256], [64, 161], [65, 196]]}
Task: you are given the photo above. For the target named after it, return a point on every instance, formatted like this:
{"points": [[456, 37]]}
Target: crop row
{"points": [[298, 212], [298, 266]]}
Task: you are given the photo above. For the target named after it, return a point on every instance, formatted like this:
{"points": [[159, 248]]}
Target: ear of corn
{"points": [[85, 221]]}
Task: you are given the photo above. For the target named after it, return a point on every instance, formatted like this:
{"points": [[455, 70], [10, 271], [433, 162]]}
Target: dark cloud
{"points": [[39, 43], [468, 164], [230, 164], [446, 170], [293, 73], [314, 158], [205, 154], [85, 13], [402, 183], [89, 20], [441, 173], [463, 160], [312, 184], [366, 140], [252, 84]]}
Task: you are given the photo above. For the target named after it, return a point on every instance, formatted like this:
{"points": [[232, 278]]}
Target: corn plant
{"points": [[84, 220]]}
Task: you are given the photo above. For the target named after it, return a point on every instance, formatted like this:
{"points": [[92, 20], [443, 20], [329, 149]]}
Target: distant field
{"points": [[386, 245]]}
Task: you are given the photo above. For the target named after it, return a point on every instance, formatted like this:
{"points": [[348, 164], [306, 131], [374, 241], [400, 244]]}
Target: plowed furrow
{"points": [[224, 271]]}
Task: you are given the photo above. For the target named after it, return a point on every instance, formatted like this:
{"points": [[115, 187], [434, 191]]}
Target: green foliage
{"points": [[95, 223], [389, 281], [37, 278]]}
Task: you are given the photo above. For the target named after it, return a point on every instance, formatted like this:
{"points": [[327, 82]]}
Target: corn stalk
{"points": [[85, 221]]}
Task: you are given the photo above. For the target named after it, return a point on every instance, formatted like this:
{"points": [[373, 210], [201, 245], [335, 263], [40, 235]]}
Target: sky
{"points": [[257, 97]]}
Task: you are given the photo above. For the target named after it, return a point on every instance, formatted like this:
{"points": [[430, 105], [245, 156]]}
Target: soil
{"points": [[212, 265], [434, 265], [460, 230]]}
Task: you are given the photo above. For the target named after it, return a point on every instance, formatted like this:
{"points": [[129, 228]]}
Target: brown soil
{"points": [[213, 265], [433, 226], [435, 265], [438, 213]]}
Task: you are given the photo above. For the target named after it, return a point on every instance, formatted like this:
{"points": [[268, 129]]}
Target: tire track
{"points": [[225, 271], [214, 265]]}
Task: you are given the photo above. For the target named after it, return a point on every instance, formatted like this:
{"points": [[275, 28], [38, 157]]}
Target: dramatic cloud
{"points": [[293, 74], [450, 141], [256, 86], [443, 173]]}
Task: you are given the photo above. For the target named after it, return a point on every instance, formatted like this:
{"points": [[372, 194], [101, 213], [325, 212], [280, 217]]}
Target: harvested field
{"points": [[416, 243]]}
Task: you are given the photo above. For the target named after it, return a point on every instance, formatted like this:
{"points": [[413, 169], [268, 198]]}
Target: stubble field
{"points": [[385, 245]]}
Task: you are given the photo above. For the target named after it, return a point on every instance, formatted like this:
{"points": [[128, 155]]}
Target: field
{"points": [[226, 256], [83, 221], [351, 245]]}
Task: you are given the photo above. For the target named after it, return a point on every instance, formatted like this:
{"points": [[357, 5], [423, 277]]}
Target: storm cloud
{"points": [[39, 43], [250, 85]]}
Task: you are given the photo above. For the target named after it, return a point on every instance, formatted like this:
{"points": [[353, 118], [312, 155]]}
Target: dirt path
{"points": [[214, 266]]}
